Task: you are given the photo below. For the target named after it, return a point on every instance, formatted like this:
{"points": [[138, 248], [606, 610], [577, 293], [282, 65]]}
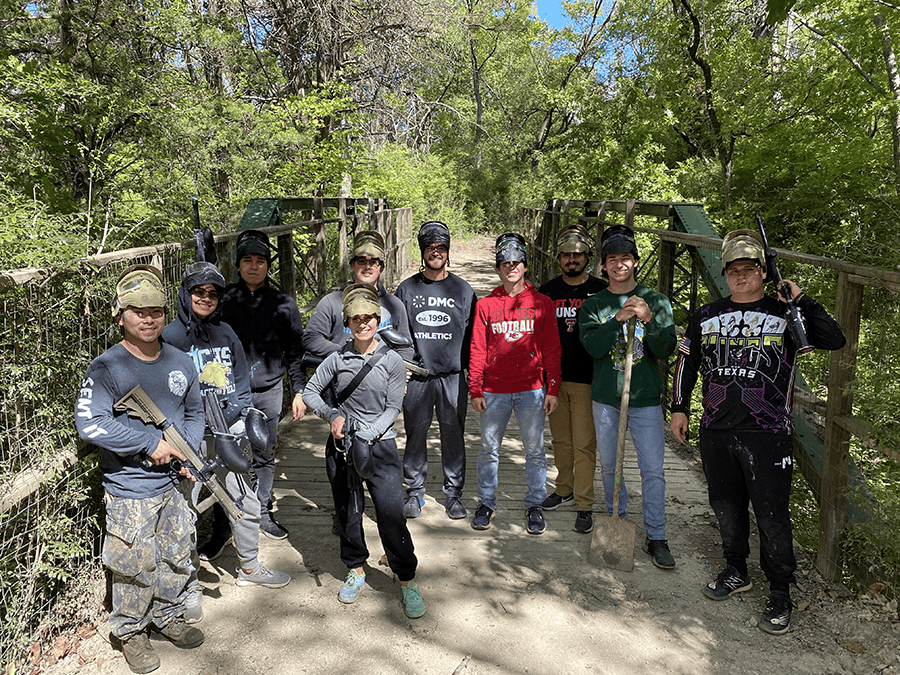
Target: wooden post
{"points": [[225, 259], [598, 259], [342, 242], [836, 456], [287, 273], [321, 258]]}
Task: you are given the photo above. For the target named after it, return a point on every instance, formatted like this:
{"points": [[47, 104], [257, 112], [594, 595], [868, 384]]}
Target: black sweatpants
{"points": [[386, 490], [448, 395], [745, 468]]}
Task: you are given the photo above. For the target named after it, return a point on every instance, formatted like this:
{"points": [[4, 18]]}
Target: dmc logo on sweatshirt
{"points": [[433, 318]]}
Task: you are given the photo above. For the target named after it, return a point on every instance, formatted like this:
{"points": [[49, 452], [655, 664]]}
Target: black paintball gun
{"points": [[138, 404], [204, 242], [796, 325], [394, 339]]}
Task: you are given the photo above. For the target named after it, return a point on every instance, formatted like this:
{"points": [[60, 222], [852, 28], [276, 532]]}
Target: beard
{"points": [[437, 263], [574, 271]]}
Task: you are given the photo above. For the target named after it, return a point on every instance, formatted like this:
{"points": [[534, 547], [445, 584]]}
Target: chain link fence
{"points": [[53, 323]]}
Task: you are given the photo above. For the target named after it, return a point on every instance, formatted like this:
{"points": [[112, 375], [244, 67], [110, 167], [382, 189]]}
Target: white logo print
{"points": [[418, 302], [433, 318], [178, 383]]}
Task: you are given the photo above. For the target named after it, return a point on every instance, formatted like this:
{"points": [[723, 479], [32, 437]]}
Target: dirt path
{"points": [[501, 601]]}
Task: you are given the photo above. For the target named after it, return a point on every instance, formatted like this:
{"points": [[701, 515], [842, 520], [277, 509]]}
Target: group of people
{"points": [[558, 350]]}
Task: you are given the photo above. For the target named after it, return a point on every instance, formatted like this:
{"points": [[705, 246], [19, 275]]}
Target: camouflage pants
{"points": [[148, 548]]}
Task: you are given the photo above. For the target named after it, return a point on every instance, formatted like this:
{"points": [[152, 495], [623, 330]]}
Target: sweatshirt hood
{"points": [[199, 274]]}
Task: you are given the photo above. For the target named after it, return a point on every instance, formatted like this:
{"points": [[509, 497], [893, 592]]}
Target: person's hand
{"points": [[635, 306], [679, 426], [479, 404], [550, 403], [298, 407], [792, 287], [165, 453], [337, 427]]}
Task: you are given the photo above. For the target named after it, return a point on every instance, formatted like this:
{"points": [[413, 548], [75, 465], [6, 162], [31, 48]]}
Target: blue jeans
{"points": [[648, 434], [529, 409]]}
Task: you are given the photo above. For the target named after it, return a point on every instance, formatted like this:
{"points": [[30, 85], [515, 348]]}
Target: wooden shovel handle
{"points": [[623, 415]]}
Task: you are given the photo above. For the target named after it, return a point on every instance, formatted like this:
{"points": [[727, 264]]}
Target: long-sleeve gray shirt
{"points": [[374, 404], [325, 331]]}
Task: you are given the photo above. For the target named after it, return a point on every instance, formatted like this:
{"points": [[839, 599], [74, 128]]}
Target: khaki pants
{"points": [[575, 444]]}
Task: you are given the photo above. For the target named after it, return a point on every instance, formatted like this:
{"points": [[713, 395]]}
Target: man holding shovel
{"points": [[603, 324]]}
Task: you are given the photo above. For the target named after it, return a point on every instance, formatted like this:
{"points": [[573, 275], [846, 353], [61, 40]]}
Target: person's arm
{"points": [[320, 379], [241, 398], [659, 333], [96, 423], [400, 321], [684, 378], [467, 336], [477, 358], [551, 349], [821, 328], [597, 336], [292, 347], [320, 328]]}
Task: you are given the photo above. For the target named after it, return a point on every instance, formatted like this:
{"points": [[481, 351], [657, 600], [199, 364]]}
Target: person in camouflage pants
{"points": [[150, 531]]}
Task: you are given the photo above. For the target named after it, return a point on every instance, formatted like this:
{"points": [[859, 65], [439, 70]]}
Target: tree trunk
{"points": [[890, 62]]}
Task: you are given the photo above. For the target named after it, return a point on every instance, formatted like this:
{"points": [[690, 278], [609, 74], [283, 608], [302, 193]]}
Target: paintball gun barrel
{"points": [[796, 325]]}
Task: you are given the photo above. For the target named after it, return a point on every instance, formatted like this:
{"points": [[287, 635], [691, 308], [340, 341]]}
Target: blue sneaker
{"points": [[352, 586], [413, 506], [413, 604]]}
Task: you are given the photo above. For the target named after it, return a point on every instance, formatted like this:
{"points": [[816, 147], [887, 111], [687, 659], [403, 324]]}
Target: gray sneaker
{"points": [[193, 606], [262, 576]]}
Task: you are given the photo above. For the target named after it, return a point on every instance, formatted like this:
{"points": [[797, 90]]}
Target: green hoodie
{"points": [[604, 338]]}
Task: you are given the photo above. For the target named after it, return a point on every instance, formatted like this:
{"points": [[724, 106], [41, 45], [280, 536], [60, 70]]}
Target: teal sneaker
{"points": [[413, 604], [352, 586]]}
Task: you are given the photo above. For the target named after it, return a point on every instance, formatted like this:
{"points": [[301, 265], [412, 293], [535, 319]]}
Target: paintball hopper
{"points": [[511, 247], [256, 428], [394, 338]]}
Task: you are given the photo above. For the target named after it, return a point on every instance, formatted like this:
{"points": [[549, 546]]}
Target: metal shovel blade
{"points": [[612, 544]]}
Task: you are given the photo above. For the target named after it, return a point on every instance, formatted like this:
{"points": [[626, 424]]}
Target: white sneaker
{"points": [[262, 576]]}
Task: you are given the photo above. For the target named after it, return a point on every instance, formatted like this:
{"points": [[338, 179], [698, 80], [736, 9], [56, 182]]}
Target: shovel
{"points": [[613, 542]]}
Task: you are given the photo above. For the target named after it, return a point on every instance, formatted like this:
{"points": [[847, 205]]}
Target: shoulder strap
{"points": [[354, 383]]}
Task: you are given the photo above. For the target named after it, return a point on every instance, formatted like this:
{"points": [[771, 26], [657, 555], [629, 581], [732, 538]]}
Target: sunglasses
{"points": [[203, 293], [368, 262]]}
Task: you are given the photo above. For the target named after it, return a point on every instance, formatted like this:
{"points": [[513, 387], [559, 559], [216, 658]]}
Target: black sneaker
{"points": [[534, 518], [482, 519], [776, 618], [728, 582], [455, 508], [584, 522], [554, 501], [213, 547], [659, 549], [271, 529]]}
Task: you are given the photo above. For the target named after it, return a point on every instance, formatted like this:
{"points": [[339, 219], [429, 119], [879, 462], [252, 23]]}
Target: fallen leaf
{"points": [[853, 647]]}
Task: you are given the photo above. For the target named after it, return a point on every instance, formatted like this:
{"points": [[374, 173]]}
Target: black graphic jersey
{"points": [[747, 359], [577, 364]]}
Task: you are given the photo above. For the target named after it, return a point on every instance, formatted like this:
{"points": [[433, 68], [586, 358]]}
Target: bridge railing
{"points": [[684, 262], [54, 321]]}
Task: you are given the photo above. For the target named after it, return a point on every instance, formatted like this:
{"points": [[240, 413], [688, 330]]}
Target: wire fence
{"points": [[53, 323]]}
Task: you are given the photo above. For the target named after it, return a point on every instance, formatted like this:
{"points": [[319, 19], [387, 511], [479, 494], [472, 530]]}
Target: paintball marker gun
{"points": [[394, 339], [204, 243], [796, 325], [138, 404]]}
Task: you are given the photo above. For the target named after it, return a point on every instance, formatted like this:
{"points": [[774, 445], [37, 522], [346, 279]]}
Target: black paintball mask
{"points": [[433, 232], [511, 247]]}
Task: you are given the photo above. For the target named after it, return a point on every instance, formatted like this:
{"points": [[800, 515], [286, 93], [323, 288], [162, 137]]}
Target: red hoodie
{"points": [[515, 344]]}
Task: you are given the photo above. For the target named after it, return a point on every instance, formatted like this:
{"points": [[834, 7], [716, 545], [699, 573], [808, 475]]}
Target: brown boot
{"points": [[181, 635], [139, 654]]}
